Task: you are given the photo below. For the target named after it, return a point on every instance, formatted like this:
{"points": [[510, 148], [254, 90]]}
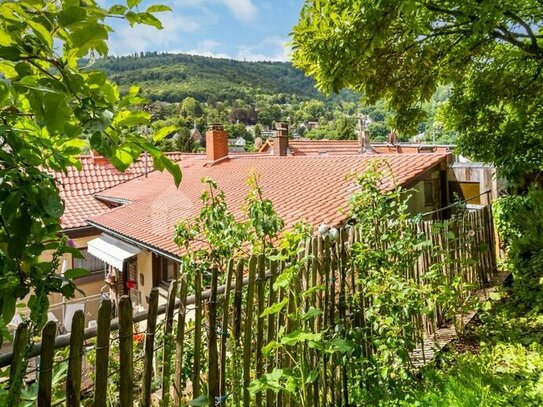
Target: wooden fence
{"points": [[210, 343]]}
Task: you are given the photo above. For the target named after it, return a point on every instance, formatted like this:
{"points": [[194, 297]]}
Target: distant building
{"points": [[237, 142], [196, 135]]}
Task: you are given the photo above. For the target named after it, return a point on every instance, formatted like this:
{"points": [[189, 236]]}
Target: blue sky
{"points": [[240, 29]]}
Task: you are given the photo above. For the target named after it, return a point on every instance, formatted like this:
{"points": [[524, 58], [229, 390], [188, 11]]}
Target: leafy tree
{"points": [[238, 130], [378, 131], [491, 52], [191, 107], [183, 141], [50, 110], [344, 128]]}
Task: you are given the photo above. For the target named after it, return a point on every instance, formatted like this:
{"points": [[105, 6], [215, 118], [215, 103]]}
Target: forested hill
{"points": [[172, 77]]}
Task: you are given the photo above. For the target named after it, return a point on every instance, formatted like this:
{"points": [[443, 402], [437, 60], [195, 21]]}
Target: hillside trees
{"points": [[50, 111], [490, 52]]}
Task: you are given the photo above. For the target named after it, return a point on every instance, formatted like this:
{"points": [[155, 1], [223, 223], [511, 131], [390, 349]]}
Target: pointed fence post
{"points": [[46, 364], [102, 354], [18, 364], [73, 383], [126, 352], [212, 363], [168, 345], [225, 333], [197, 333], [180, 341], [149, 348], [247, 335]]}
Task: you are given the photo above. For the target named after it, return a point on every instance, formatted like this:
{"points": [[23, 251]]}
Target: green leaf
{"points": [[41, 32], [133, 90], [149, 19], [71, 15], [133, 3], [8, 307], [298, 336], [76, 273], [340, 345], [311, 313], [52, 204], [129, 118], [266, 350], [117, 9], [157, 8], [173, 169], [10, 53], [164, 132], [275, 308]]}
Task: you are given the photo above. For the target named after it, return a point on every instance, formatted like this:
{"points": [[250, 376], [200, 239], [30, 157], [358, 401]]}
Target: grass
{"points": [[498, 362]]}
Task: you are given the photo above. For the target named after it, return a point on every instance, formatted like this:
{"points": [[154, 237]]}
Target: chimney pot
{"points": [[216, 142]]}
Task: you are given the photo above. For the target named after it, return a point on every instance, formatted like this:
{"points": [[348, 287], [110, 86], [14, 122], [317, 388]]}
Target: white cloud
{"points": [[243, 10], [270, 49], [127, 40]]}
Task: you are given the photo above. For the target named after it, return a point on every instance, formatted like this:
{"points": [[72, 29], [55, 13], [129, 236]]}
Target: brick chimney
{"points": [[97, 158], [280, 140], [216, 143]]}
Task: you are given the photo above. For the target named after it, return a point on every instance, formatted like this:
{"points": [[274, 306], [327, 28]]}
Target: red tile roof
{"points": [[77, 188], [314, 189], [349, 147]]}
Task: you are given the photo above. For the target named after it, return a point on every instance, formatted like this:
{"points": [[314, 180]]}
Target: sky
{"points": [[252, 30]]}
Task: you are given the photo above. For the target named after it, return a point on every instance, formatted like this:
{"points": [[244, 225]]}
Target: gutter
{"points": [[134, 242]]}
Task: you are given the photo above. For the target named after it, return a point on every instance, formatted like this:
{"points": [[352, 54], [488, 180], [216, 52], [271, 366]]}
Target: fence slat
{"points": [[197, 333], [126, 353], [168, 344], [149, 349], [270, 335], [212, 360], [18, 364], [73, 382], [102, 353], [261, 286], [180, 340], [247, 335], [46, 364], [236, 332], [224, 333]]}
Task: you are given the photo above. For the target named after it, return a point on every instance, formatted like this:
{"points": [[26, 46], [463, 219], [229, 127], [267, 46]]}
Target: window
{"points": [[429, 196], [89, 262], [168, 269], [164, 270]]}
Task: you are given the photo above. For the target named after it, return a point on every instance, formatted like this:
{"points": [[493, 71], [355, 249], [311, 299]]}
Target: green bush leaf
{"points": [[275, 308], [76, 273], [164, 132]]}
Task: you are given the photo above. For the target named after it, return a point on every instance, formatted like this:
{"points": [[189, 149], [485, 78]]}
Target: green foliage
{"points": [[214, 236], [263, 223], [383, 258], [499, 364], [50, 112], [491, 53], [519, 220], [297, 379]]}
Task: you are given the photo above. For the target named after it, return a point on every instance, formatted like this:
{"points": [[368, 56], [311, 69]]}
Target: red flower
{"points": [[130, 284], [138, 337]]}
